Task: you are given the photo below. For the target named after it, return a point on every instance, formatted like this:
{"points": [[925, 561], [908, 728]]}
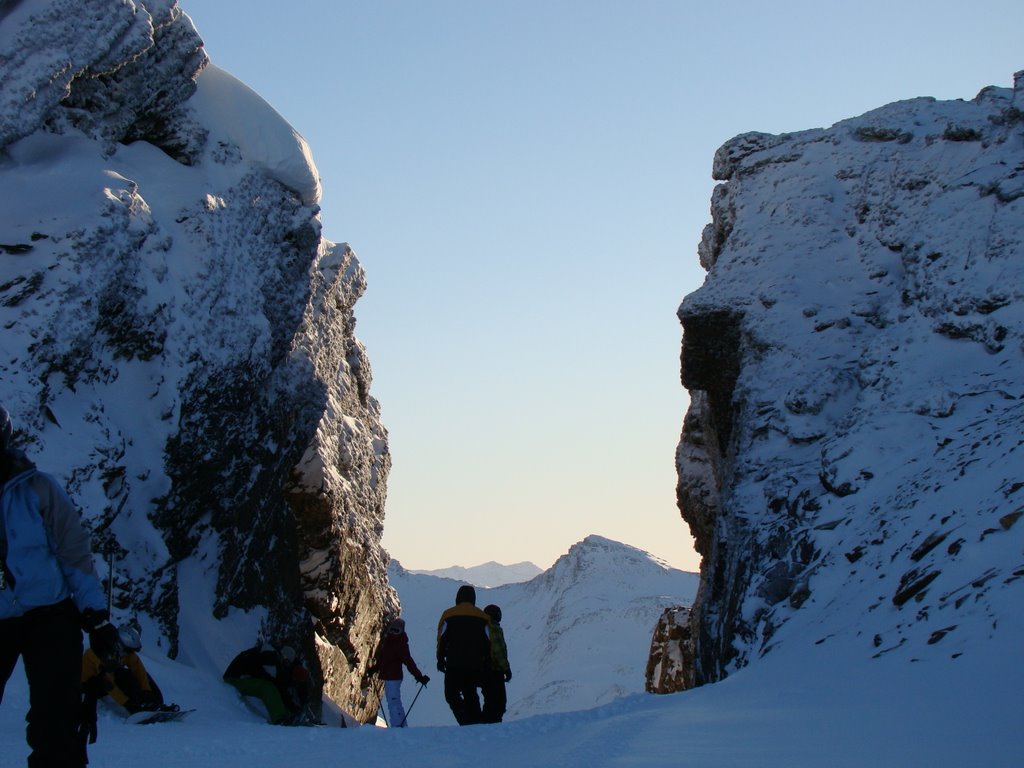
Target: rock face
{"points": [[855, 366], [670, 662], [179, 345]]}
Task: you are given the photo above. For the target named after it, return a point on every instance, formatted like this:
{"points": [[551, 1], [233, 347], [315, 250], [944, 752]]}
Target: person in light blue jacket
{"points": [[49, 592]]}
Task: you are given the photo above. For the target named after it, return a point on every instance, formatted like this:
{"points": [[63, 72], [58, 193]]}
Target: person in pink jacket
{"points": [[392, 656]]}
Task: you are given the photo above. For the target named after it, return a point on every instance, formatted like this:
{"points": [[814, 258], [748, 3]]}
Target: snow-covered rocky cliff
{"points": [[178, 340], [851, 463], [578, 634]]}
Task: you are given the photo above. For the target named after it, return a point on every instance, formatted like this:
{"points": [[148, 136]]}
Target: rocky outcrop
{"points": [[115, 71], [854, 361], [179, 341], [670, 662]]}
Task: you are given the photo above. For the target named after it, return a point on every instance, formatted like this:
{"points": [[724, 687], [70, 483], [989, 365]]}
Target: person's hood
{"points": [[13, 462]]}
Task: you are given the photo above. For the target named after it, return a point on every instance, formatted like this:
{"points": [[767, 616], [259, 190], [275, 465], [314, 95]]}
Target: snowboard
{"points": [[145, 718]]}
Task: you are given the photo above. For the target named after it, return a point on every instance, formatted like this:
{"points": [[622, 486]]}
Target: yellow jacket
{"points": [[92, 666]]}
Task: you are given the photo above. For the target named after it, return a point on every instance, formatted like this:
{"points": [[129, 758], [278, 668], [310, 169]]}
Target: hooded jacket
{"points": [[44, 549], [394, 652], [499, 650]]}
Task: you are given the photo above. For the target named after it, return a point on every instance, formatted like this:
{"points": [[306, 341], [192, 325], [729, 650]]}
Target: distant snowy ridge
{"points": [[578, 634], [490, 574], [178, 341], [851, 461]]}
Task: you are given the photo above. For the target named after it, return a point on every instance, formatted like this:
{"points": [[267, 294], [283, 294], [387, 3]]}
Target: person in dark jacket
{"points": [[394, 653], [276, 678], [49, 592], [498, 671], [463, 648]]}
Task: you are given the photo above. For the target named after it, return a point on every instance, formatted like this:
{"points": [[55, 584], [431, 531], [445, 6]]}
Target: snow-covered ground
{"points": [[812, 703], [801, 707]]}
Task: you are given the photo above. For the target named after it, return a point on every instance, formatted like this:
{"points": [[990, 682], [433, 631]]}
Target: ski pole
{"points": [[110, 582], [422, 686], [380, 705]]}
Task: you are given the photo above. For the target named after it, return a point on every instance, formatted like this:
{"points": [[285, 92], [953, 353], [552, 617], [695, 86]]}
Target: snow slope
{"points": [[795, 709], [799, 707]]}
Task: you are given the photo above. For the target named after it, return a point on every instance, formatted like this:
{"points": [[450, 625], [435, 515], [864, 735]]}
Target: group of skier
{"points": [[50, 593], [471, 653]]}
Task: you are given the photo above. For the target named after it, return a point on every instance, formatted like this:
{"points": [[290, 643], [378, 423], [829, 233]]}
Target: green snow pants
{"points": [[265, 691]]}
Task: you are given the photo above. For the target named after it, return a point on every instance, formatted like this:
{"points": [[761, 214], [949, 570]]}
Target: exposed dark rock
{"points": [[912, 584], [670, 662], [140, 99], [876, 133], [711, 363], [928, 545]]}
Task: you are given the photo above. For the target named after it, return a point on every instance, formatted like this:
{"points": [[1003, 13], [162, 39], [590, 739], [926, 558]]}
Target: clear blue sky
{"points": [[525, 184]]}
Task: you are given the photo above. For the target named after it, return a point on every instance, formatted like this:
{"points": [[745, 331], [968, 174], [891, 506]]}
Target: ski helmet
{"points": [[130, 638], [397, 626], [494, 612], [6, 428]]}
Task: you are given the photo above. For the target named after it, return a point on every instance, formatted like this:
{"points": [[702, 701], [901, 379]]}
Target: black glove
{"points": [[92, 618], [103, 637], [508, 675], [440, 665], [423, 680]]}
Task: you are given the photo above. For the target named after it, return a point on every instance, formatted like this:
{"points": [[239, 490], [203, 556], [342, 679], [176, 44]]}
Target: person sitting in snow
{"points": [[498, 671], [393, 653], [123, 677], [275, 677]]}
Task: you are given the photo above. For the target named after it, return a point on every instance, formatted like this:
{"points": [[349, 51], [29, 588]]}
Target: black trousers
{"points": [[460, 693], [49, 642], [495, 698]]}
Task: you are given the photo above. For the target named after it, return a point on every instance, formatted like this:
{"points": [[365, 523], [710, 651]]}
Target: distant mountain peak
{"points": [[489, 574], [609, 554]]}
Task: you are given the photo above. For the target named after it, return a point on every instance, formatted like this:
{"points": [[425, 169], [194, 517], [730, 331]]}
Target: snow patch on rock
{"points": [[236, 115]]}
